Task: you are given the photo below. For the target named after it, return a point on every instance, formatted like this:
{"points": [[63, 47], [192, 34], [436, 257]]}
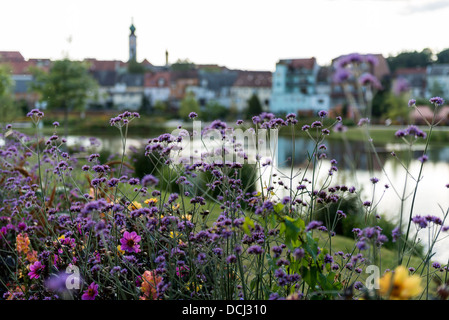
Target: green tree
{"points": [[188, 104], [214, 110], [396, 108], [135, 67], [160, 107], [436, 89], [182, 65], [410, 59], [66, 86], [254, 107], [443, 56], [8, 111]]}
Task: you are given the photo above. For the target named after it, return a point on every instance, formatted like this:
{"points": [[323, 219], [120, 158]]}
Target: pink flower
{"points": [[129, 242], [91, 292], [36, 269]]}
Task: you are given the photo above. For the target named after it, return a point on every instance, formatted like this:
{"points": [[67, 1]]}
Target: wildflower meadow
{"points": [[209, 219]]}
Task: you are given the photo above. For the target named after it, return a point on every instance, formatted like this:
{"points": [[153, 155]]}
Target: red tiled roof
{"points": [[407, 71], [152, 79], [19, 67], [307, 63], [254, 79], [146, 63], [11, 56]]}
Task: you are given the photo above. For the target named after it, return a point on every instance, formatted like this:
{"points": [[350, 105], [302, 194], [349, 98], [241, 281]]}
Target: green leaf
{"points": [[246, 224], [311, 246], [278, 207], [292, 228]]}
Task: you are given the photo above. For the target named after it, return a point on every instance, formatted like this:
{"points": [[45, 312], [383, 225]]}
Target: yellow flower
{"points": [[191, 284], [134, 206], [176, 234], [151, 201], [119, 249], [22, 243], [187, 217], [399, 285]]}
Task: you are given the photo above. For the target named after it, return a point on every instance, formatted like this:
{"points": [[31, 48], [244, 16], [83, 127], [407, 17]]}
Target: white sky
{"points": [[243, 34]]}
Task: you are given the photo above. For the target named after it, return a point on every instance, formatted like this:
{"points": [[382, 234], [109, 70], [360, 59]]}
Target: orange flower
{"points": [[149, 285], [32, 256], [22, 243]]}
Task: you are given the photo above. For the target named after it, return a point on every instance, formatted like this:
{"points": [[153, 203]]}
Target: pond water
{"points": [[432, 197], [356, 165]]}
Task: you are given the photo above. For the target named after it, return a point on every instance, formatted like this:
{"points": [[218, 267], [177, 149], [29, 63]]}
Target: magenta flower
{"points": [[36, 270], [129, 242], [91, 292]]}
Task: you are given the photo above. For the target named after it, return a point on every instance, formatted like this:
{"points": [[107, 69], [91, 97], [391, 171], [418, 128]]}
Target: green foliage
{"points": [[182, 65], [396, 108], [436, 89], [67, 85], [443, 56], [254, 107], [135, 67], [8, 110], [410, 59], [214, 110], [160, 107], [188, 104]]}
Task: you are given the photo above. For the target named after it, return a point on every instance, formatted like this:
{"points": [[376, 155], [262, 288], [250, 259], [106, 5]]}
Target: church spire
{"points": [[132, 43]]}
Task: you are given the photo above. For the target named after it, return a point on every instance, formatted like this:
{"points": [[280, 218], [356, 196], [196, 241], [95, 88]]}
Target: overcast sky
{"points": [[243, 34]]}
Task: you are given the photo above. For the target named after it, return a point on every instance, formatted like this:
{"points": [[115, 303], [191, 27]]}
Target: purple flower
{"points": [[255, 249], [316, 124], [193, 115], [363, 121], [231, 259], [129, 242], [396, 233], [256, 119], [420, 221], [299, 253], [437, 101], [369, 79], [411, 102], [35, 113], [322, 113], [35, 270], [339, 127], [149, 180], [313, 225], [436, 265], [91, 292], [423, 158], [341, 75]]}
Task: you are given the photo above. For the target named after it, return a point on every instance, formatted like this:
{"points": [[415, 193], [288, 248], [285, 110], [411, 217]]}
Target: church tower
{"points": [[132, 43]]}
